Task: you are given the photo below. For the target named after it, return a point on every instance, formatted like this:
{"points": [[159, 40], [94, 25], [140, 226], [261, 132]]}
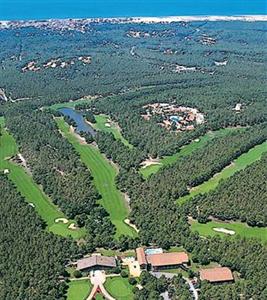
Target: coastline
{"points": [[136, 20]]}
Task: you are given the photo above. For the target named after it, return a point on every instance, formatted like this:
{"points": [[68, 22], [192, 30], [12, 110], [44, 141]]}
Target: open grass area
{"points": [[239, 228], [102, 120], [71, 104], [238, 164], [79, 289], [184, 151], [31, 191], [110, 252], [119, 288], [104, 174]]}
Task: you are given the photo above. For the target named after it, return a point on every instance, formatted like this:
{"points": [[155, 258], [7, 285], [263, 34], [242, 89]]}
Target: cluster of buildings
{"points": [[206, 40], [173, 117], [55, 63], [155, 260]]}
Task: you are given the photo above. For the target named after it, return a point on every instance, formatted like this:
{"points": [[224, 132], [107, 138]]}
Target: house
{"points": [[96, 262], [216, 275], [141, 257], [167, 260]]}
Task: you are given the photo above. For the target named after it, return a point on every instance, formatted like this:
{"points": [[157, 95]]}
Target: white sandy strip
{"points": [[61, 220], [72, 226], [128, 222], [149, 162], [223, 230]]}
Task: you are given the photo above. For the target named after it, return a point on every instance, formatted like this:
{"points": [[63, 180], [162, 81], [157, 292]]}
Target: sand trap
{"points": [[31, 204], [107, 125], [223, 230], [72, 226], [128, 222], [61, 220], [150, 162]]}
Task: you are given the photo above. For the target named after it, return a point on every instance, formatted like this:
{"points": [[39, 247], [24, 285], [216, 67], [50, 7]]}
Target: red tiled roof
{"points": [[216, 274], [141, 256], [167, 259]]}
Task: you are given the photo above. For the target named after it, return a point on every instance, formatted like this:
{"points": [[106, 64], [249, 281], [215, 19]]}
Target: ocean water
{"points": [[46, 9]]}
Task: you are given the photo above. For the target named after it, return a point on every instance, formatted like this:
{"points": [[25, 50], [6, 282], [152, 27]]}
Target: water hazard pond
{"points": [[82, 125]]}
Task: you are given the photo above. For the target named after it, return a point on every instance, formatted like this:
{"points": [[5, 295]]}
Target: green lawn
{"points": [[31, 191], [70, 104], [79, 289], [102, 120], [241, 229], [238, 164], [104, 174], [119, 288], [184, 151]]}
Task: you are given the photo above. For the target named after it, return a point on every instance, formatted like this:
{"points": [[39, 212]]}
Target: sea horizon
{"points": [[25, 10]]}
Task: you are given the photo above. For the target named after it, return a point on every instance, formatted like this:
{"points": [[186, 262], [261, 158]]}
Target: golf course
{"points": [[33, 193], [184, 151], [103, 123], [238, 164], [104, 174], [241, 229]]}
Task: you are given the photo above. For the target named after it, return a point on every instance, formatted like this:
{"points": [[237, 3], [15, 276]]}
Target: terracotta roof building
{"points": [[167, 260], [216, 275], [96, 262], [141, 257]]}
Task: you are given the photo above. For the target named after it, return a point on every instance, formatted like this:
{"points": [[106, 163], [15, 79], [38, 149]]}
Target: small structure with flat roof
{"points": [[216, 275], [96, 262]]}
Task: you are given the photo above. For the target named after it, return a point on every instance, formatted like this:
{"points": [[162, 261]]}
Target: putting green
{"points": [[101, 124], [31, 191], [241, 229], [184, 151], [104, 174], [238, 164], [79, 289], [119, 288], [70, 104]]}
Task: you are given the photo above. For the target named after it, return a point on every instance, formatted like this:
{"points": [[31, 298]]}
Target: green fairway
{"points": [[119, 288], [102, 121], [239, 228], [70, 104], [31, 191], [104, 174], [238, 164], [79, 289], [186, 150]]}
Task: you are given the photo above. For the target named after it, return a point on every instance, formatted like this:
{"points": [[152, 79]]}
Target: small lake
{"points": [[79, 119]]}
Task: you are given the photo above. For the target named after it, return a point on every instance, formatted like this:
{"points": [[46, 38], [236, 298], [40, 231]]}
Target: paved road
{"points": [[98, 279]]}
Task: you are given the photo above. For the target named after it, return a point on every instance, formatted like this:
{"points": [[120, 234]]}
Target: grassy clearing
{"points": [[110, 252], [79, 289], [104, 179], [186, 150], [238, 164], [241, 229], [102, 120], [31, 191], [70, 104], [119, 288]]}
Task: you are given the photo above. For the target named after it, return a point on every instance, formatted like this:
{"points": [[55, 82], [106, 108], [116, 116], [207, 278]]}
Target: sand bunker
{"points": [[107, 125], [150, 162], [223, 230], [128, 222], [62, 220], [72, 226]]}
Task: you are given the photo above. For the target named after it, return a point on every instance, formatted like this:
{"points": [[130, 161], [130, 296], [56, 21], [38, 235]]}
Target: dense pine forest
{"points": [[218, 68]]}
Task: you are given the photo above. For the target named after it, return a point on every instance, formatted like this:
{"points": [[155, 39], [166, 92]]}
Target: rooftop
{"points": [[216, 274], [167, 259], [141, 256], [93, 261]]}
